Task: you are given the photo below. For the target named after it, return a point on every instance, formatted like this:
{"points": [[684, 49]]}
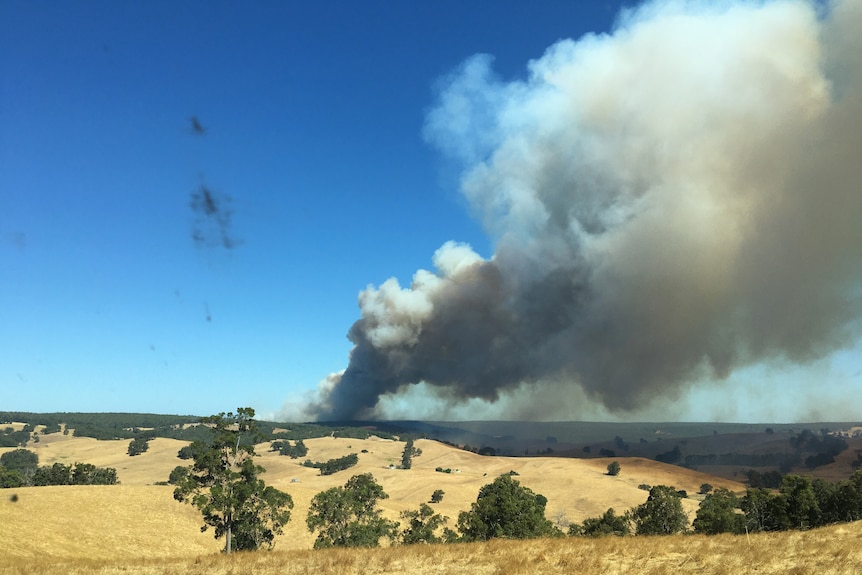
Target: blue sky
{"points": [[117, 292]]}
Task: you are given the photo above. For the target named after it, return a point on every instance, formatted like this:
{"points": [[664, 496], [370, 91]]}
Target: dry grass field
{"points": [[137, 527], [829, 551]]}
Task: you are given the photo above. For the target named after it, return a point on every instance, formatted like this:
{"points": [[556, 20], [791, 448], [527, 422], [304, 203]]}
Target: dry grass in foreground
{"points": [[828, 551]]}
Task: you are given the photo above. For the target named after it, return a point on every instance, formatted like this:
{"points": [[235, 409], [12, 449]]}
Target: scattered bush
{"points": [[422, 526], [349, 516], [178, 474], [293, 451], [186, 452], [608, 524], [10, 478], [410, 451], [22, 461], [334, 465], [138, 445], [662, 514], [506, 509], [717, 514], [77, 474]]}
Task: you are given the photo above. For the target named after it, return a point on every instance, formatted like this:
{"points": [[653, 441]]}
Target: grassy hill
{"points": [[137, 527], [575, 489], [174, 548]]}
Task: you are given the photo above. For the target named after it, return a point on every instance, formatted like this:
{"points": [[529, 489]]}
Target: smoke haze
{"points": [[670, 202]]}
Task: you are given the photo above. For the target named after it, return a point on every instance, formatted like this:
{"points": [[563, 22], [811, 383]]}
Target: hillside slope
{"points": [[139, 519]]}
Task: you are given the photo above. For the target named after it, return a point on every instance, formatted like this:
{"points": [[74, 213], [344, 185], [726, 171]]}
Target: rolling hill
{"points": [[139, 519]]}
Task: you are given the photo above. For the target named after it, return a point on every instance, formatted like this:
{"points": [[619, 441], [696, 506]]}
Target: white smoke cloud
{"points": [[670, 202]]}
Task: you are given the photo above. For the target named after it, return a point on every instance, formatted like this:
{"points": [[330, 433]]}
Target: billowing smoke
{"points": [[669, 202]]}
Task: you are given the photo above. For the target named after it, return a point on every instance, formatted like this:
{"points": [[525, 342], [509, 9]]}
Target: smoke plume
{"points": [[674, 200]]}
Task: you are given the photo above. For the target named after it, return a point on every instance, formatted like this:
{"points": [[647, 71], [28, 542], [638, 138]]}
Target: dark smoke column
{"points": [[669, 203]]}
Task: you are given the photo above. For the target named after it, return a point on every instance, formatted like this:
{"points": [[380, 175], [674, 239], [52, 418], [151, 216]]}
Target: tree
{"points": [[437, 496], [89, 474], [178, 475], [608, 524], [662, 514], [407, 455], [224, 484], [138, 445], [802, 509], [348, 516], [705, 488], [334, 465], [764, 511], [614, 468], [262, 517], [82, 473], [506, 509], [717, 514], [294, 452], [57, 474], [422, 525], [186, 452], [840, 501], [21, 461], [10, 478]]}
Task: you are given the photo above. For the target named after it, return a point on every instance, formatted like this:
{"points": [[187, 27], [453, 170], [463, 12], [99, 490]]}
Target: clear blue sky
{"points": [[118, 292]]}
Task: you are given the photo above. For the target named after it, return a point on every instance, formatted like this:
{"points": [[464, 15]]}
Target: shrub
{"points": [[22, 460], [178, 474], [138, 445], [186, 452], [662, 514], [334, 465], [421, 526], [717, 514], [349, 516], [10, 478], [505, 509], [608, 524]]}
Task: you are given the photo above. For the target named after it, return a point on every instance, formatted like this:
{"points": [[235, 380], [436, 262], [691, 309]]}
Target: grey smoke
{"points": [[675, 200]]}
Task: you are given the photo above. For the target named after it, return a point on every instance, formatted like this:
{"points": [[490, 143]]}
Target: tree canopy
{"points": [[608, 524], [349, 516], [717, 514], [505, 508], [22, 460], [662, 514], [224, 484], [422, 525]]}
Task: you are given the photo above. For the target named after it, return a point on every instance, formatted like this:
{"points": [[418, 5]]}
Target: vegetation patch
{"points": [[333, 465]]}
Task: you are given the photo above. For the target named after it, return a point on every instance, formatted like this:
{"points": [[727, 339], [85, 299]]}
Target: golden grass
{"points": [[147, 514], [137, 527], [828, 551], [145, 469], [99, 521]]}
